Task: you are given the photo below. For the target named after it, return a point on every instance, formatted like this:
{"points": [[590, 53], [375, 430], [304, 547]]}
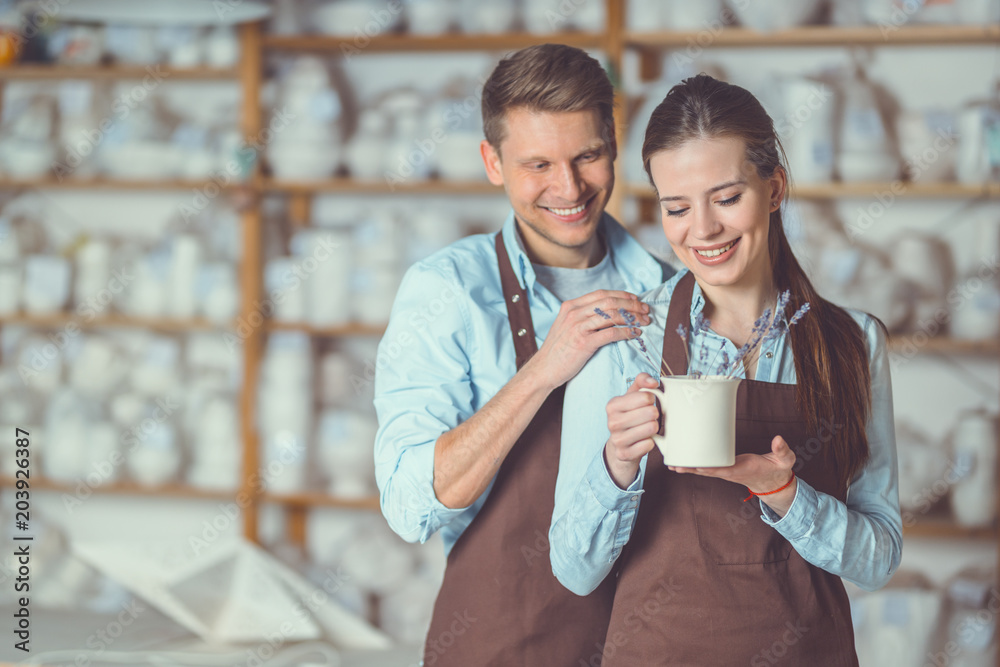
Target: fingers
{"points": [[635, 451], [783, 454], [643, 381], [602, 294], [603, 308], [627, 414], [613, 334], [632, 421], [632, 444]]}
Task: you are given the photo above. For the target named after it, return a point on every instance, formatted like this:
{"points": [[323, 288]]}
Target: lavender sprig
{"points": [[779, 326], [700, 323], [799, 313], [631, 322], [760, 328], [765, 329]]}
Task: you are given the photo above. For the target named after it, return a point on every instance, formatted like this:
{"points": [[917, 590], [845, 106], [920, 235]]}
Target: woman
{"points": [[705, 578]]}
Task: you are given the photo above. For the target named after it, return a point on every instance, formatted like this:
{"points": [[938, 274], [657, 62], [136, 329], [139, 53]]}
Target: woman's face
{"points": [[715, 210]]}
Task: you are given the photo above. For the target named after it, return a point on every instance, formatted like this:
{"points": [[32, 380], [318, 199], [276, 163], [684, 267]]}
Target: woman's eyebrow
{"points": [[716, 188]]}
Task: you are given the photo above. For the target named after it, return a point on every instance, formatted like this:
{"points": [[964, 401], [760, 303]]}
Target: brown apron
{"points": [[703, 581], [500, 605]]}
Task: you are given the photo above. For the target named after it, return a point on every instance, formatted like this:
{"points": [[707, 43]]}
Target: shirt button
{"points": [[515, 298], [635, 499], [521, 332], [769, 355]]}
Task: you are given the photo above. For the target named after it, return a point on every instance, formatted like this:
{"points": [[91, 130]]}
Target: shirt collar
{"points": [[637, 267]]}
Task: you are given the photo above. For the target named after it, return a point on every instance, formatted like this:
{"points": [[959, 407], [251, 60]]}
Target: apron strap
{"points": [[518, 313], [679, 313]]}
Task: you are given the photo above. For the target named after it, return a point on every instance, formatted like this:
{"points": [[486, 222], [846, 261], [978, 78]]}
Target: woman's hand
{"points": [[759, 473], [632, 419]]}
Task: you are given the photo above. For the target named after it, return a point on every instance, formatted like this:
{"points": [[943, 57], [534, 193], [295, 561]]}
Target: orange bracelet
{"points": [[767, 493]]}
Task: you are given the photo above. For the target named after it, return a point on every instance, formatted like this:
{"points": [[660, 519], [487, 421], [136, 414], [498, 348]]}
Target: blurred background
{"points": [[206, 209]]}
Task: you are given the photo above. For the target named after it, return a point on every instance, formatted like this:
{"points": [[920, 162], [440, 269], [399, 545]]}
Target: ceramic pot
{"points": [[923, 465], [157, 458], [46, 284], [978, 160], [779, 15], [974, 444], [808, 128]]}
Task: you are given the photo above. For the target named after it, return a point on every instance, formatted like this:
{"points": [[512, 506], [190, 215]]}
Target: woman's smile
{"points": [[716, 254]]}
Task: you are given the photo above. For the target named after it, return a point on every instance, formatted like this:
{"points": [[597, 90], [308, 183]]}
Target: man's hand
{"points": [[467, 457], [633, 419], [579, 331]]}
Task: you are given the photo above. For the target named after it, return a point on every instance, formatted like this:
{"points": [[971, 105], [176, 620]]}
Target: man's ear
{"points": [[613, 148], [491, 159]]}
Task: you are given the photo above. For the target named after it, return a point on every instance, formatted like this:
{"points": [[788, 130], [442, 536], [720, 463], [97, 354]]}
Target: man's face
{"points": [[558, 171]]}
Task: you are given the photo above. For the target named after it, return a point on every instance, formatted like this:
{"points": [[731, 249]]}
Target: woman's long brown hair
{"points": [[831, 361]]}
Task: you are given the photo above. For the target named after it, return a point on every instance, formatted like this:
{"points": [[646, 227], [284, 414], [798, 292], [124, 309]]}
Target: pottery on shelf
{"points": [[974, 447]]}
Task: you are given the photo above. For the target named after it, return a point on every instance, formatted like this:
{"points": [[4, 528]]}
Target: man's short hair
{"points": [[546, 78]]}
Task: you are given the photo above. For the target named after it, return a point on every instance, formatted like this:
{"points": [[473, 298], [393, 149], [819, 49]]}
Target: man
{"points": [[470, 406]]}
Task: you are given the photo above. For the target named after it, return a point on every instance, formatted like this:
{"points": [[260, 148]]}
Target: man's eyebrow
{"points": [[716, 188], [589, 149]]}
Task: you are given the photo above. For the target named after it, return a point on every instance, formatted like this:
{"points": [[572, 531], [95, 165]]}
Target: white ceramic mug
{"points": [[699, 416]]}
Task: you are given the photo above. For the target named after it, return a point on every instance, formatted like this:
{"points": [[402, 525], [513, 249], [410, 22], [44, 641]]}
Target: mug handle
{"points": [[659, 393]]}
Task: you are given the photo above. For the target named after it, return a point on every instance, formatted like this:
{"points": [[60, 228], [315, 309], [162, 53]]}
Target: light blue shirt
{"points": [[447, 351], [860, 540]]}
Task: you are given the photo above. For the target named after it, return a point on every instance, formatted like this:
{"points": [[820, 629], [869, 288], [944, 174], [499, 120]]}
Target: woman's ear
{"points": [[778, 184]]}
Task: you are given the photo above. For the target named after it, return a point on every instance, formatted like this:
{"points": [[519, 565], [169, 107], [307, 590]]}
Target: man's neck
{"points": [[544, 252]]}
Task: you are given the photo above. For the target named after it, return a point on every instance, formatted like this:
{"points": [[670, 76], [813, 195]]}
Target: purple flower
{"points": [[629, 317], [760, 328], [682, 332], [700, 324], [630, 320], [799, 313], [779, 311]]}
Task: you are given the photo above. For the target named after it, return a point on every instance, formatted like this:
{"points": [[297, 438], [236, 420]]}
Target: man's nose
{"points": [[568, 183]]}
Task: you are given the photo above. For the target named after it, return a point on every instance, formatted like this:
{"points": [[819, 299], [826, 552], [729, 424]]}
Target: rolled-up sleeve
{"points": [[593, 517], [862, 540], [423, 388]]}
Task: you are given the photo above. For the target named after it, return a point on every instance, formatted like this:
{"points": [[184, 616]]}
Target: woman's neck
{"points": [[732, 310]]}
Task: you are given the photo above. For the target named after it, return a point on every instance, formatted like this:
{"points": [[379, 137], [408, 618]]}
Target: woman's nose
{"points": [[704, 225]]}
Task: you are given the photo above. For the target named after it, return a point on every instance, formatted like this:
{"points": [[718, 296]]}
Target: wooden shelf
{"points": [[351, 329], [112, 73], [348, 185], [448, 42], [945, 527], [321, 500], [111, 184], [821, 36], [115, 321], [944, 345], [37, 483], [866, 190]]}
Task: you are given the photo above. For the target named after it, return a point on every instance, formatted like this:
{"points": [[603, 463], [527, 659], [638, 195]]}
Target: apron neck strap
{"points": [[679, 313], [518, 313]]}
